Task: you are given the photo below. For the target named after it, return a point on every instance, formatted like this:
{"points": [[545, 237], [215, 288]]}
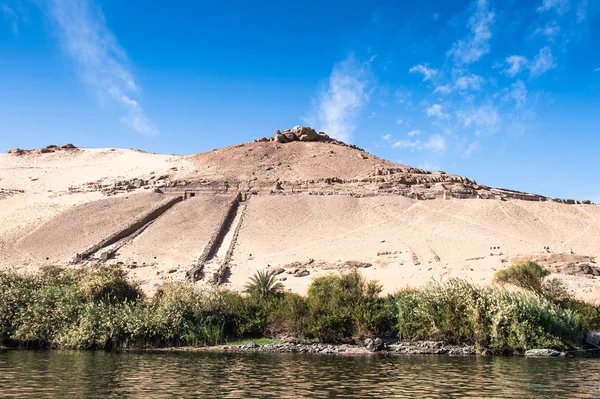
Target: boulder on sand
{"points": [[305, 133]]}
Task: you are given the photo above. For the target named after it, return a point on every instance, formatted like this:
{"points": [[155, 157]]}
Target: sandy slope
{"points": [[170, 245], [426, 240], [80, 227], [287, 162], [53, 205], [43, 186]]}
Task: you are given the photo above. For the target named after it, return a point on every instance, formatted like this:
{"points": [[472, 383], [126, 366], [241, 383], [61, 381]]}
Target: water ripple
{"points": [[71, 374]]}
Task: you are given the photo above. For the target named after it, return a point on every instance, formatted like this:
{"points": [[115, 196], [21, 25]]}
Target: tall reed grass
{"points": [[101, 309]]}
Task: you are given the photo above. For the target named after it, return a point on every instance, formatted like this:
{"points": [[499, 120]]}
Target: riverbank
{"points": [[101, 309], [406, 348]]}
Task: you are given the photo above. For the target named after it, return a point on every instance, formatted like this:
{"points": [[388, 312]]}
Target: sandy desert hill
{"points": [[299, 204]]}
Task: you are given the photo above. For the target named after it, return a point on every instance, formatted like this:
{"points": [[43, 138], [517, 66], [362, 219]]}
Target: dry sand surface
{"points": [[54, 205], [287, 162], [410, 242], [44, 186], [80, 227], [170, 245]]}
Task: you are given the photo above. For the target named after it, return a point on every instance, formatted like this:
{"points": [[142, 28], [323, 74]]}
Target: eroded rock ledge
{"points": [[370, 346]]}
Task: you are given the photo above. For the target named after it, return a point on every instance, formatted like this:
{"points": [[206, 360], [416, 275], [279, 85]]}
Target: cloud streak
{"points": [[100, 60], [543, 62], [436, 143], [485, 120], [436, 111], [11, 17], [477, 44], [560, 6], [346, 94], [428, 73]]}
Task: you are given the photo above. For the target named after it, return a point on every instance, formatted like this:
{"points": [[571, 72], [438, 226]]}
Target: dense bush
{"points": [[533, 277], [528, 275], [101, 309], [486, 316], [345, 306]]}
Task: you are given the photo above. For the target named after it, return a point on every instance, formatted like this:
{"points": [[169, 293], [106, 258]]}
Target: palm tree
{"points": [[263, 285]]}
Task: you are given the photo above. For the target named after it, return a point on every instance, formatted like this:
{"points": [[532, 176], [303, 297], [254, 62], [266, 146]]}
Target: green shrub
{"points": [[15, 293], [528, 275], [486, 316], [109, 284], [288, 315], [345, 306], [101, 309], [588, 313]]}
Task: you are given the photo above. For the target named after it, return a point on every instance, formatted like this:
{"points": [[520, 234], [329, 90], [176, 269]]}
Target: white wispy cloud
{"points": [[444, 89], [472, 82], [399, 121], [436, 110], [549, 30], [485, 120], [462, 83], [542, 62], [413, 133], [560, 6], [100, 60], [518, 91], [477, 43], [516, 63], [428, 73], [582, 10], [11, 17], [472, 147], [435, 143], [388, 137], [345, 96]]}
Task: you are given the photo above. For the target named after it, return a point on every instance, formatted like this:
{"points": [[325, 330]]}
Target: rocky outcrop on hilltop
{"points": [[43, 150], [303, 161], [304, 134]]}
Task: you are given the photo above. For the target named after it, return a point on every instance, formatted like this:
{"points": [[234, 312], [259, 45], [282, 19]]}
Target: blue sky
{"points": [[505, 92]]}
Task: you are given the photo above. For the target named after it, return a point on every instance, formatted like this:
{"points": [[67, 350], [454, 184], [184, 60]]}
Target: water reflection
{"points": [[70, 374]]}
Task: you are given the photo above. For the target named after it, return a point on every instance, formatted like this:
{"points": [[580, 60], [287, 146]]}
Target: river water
{"points": [[80, 374]]}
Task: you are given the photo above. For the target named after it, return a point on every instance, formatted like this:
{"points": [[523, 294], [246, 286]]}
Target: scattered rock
{"points": [[432, 348], [16, 151], [249, 346], [586, 268], [301, 273], [541, 353], [324, 137], [374, 345], [305, 133], [357, 264], [593, 338], [276, 271]]}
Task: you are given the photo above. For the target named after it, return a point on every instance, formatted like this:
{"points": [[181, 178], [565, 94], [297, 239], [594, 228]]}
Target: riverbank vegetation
{"points": [[101, 309]]}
